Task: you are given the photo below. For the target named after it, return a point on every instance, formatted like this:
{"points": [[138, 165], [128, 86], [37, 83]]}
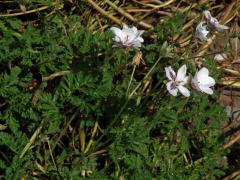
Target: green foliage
{"points": [[80, 121]]}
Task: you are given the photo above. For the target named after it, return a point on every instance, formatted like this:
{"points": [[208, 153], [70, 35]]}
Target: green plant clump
{"points": [[71, 106]]}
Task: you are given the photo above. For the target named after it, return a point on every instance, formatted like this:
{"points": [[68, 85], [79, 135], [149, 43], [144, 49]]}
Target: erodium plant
{"points": [[73, 106]]}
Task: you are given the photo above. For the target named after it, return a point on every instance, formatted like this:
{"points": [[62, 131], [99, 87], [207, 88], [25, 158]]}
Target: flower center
{"points": [[175, 83]]}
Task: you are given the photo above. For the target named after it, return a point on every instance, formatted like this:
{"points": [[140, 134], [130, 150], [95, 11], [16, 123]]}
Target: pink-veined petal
{"points": [[181, 74], [184, 91], [172, 91], [171, 75]]}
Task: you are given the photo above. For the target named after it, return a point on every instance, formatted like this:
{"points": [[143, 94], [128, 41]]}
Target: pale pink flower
{"points": [[128, 37], [178, 81], [202, 81]]}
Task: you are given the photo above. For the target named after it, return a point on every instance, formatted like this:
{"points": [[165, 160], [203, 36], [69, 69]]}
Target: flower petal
{"points": [[184, 81], [134, 29], [171, 90], [206, 89], [201, 31], [171, 75], [195, 83], [118, 33], [137, 44], [208, 81], [207, 14], [184, 91], [210, 19], [202, 81], [202, 73], [140, 39], [131, 36], [214, 22], [181, 74], [221, 27], [125, 26]]}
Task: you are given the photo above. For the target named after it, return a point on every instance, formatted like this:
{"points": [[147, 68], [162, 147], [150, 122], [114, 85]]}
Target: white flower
{"points": [[128, 37], [214, 22], [178, 81], [202, 81], [201, 31]]}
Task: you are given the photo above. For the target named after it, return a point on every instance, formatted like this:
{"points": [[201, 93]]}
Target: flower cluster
{"points": [[131, 38], [201, 82], [201, 29]]}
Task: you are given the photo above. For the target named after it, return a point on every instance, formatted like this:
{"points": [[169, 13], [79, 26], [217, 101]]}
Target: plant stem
{"points": [[51, 154], [92, 136], [146, 76], [134, 68], [33, 138]]}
